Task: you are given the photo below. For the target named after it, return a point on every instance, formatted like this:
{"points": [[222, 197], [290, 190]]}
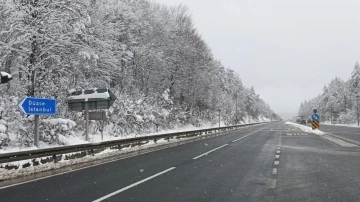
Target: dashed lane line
{"points": [[273, 184], [276, 162], [251, 134], [133, 185], [277, 156], [243, 137], [278, 152], [206, 153], [274, 172], [296, 134]]}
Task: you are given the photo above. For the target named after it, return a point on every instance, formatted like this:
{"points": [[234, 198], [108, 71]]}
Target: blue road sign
{"points": [[315, 117], [38, 106]]}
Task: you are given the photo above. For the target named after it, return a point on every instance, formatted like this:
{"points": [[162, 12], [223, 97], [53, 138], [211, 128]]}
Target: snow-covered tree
{"points": [[150, 55]]}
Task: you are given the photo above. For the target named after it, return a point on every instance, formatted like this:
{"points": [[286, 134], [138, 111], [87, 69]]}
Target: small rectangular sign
{"points": [[38, 106], [97, 115]]}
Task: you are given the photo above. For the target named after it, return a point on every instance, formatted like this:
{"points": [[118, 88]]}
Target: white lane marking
{"points": [[277, 156], [278, 152], [77, 169], [251, 134], [273, 184], [274, 172], [242, 137], [278, 148], [206, 153], [276, 162], [132, 185], [279, 144]]}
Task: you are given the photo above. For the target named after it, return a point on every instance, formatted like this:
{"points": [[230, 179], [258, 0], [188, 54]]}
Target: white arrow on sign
{"points": [[21, 103]]}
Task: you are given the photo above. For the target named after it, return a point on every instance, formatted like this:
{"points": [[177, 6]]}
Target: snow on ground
{"points": [[346, 125], [339, 141], [306, 128], [323, 135], [96, 138]]}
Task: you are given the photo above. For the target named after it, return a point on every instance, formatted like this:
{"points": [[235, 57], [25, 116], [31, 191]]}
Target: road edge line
{"points": [[206, 153]]}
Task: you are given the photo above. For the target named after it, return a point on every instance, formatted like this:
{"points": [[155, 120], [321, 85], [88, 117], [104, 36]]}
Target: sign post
{"points": [[101, 116], [315, 120], [37, 106], [87, 121], [85, 100], [36, 131]]}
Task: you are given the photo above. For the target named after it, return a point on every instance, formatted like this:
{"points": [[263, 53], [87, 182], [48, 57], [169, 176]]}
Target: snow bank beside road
{"points": [[329, 137], [306, 128], [354, 125]]}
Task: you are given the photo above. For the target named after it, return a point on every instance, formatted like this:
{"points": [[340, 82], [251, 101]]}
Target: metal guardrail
{"points": [[89, 148]]}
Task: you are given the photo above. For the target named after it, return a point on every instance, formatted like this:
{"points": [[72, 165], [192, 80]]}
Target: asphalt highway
{"points": [[267, 162]]}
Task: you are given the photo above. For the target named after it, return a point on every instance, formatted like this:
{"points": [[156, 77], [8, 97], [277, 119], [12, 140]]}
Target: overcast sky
{"points": [[286, 49]]}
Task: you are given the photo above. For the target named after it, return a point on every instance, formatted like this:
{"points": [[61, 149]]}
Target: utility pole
{"points": [[357, 108], [331, 112], [236, 110], [219, 118], [345, 103]]}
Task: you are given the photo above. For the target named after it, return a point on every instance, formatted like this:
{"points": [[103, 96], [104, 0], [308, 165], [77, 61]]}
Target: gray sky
{"points": [[286, 49]]}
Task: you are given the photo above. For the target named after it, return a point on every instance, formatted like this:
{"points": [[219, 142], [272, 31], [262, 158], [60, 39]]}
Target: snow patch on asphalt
{"points": [[306, 128], [322, 134], [339, 141]]}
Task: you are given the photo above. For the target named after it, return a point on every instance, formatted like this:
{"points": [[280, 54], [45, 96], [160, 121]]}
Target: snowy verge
{"points": [[77, 139], [354, 125], [329, 137], [306, 128], [21, 172]]}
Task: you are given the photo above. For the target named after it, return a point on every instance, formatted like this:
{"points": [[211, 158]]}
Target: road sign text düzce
{"points": [[38, 106]]}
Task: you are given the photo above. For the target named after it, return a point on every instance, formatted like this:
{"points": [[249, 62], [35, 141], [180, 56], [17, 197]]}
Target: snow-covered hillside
{"points": [[338, 102], [150, 56]]}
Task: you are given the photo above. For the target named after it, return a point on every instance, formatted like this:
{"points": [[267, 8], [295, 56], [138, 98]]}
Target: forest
{"points": [[151, 56], [338, 102]]}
